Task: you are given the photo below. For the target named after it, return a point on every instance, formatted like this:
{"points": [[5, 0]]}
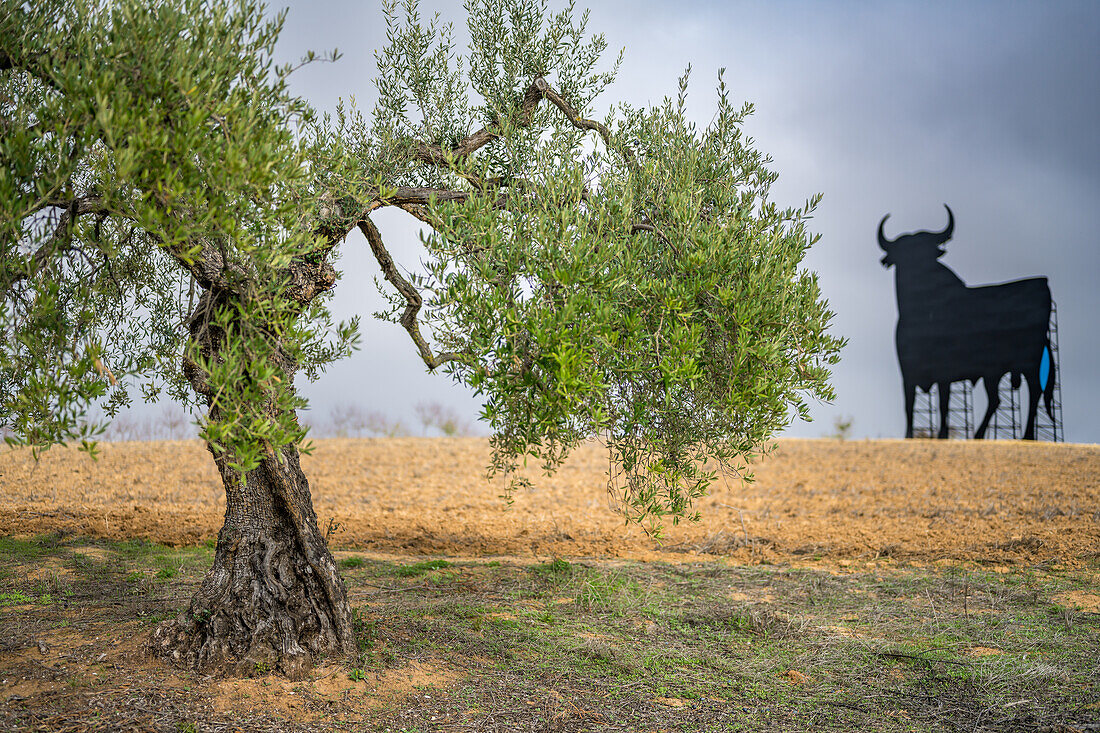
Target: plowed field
{"points": [[812, 499]]}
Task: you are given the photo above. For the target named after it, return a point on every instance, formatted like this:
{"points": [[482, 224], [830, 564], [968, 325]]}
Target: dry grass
{"points": [[871, 585], [475, 645]]}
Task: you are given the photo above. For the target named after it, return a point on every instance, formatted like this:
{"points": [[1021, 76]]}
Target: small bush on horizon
{"points": [[842, 427], [443, 418]]}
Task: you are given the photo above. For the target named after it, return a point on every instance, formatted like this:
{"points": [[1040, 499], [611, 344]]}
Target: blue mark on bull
{"points": [[1044, 368]]}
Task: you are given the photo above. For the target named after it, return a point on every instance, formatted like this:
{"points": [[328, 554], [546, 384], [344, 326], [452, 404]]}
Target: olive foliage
{"points": [[149, 155], [620, 275], [626, 277]]}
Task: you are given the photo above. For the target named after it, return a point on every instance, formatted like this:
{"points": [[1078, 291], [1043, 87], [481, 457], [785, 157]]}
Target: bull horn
{"points": [[883, 242], [946, 233]]}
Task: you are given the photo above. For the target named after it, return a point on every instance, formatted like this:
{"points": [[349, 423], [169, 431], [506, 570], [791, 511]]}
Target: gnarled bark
{"points": [[273, 600]]}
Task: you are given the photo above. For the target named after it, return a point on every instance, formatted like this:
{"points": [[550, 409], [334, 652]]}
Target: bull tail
{"points": [[1047, 373]]}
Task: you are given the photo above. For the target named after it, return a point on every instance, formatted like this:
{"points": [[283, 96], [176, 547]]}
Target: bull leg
{"points": [[945, 403], [910, 399], [993, 401], [1033, 393]]}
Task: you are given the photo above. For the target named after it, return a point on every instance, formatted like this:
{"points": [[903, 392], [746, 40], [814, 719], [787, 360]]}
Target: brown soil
{"points": [[915, 501]]}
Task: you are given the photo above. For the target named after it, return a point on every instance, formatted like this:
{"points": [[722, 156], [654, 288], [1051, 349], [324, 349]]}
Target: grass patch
{"points": [[714, 647], [420, 568], [58, 569], [555, 570], [13, 598], [13, 549], [608, 592], [635, 646]]}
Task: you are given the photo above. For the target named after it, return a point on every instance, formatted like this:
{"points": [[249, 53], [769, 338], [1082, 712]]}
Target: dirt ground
{"points": [[812, 500], [885, 585]]}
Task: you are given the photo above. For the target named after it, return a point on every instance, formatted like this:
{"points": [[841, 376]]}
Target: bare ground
{"points": [[916, 501], [475, 645], [866, 585]]}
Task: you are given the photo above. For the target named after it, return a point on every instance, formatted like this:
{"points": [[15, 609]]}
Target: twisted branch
{"points": [[412, 298], [582, 123], [647, 227], [538, 90], [418, 201]]}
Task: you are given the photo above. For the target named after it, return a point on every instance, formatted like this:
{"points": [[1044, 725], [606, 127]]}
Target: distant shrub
{"points": [[443, 418]]}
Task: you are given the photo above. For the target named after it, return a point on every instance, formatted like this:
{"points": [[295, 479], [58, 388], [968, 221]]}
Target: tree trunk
{"points": [[273, 600]]}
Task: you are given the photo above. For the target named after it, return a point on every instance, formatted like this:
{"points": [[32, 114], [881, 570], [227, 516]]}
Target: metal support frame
{"points": [[960, 412], [1009, 420], [1049, 427]]}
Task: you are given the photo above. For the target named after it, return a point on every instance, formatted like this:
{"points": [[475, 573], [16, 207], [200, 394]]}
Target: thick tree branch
{"points": [[403, 196], [418, 201], [582, 123], [421, 212], [210, 268], [79, 206], [647, 227], [412, 298], [435, 155], [538, 90], [407, 195]]}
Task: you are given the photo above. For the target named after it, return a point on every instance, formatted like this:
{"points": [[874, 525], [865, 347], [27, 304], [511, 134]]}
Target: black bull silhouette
{"points": [[948, 332]]}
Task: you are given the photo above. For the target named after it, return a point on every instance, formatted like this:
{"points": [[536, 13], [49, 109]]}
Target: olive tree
{"points": [[172, 214]]}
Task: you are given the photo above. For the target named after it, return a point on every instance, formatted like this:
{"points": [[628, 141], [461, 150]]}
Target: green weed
{"points": [[14, 598], [411, 571], [22, 550], [558, 569]]}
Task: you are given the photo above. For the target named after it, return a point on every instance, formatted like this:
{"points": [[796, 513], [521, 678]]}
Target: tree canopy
{"points": [[626, 278], [619, 274]]}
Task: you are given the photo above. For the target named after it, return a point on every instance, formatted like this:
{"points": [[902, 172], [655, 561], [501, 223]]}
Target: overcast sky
{"points": [[990, 107]]}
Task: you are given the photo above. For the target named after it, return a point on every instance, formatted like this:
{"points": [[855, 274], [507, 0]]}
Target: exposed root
{"points": [[261, 608]]}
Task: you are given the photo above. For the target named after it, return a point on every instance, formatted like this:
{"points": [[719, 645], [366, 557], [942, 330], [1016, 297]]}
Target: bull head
{"points": [[918, 245]]}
